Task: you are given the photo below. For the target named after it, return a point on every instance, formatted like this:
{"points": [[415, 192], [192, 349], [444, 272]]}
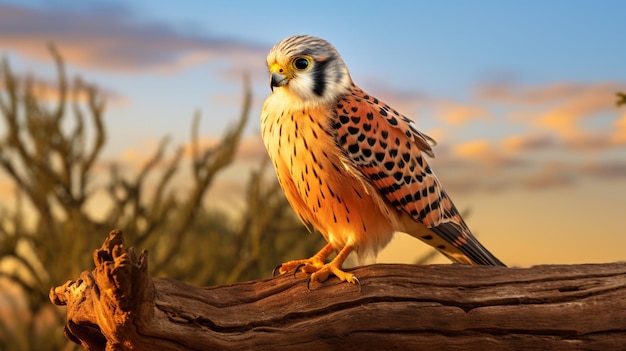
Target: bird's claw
{"points": [[276, 270], [357, 282], [295, 271]]}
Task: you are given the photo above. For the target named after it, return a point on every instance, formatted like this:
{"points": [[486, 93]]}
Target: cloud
{"points": [[481, 153], [48, 91], [619, 131], [509, 135], [112, 40], [528, 143], [589, 142], [559, 107], [476, 148], [551, 174], [456, 114], [565, 118], [510, 92], [251, 149], [614, 169]]}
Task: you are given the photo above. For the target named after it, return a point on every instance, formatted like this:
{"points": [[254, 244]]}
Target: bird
{"points": [[351, 166]]}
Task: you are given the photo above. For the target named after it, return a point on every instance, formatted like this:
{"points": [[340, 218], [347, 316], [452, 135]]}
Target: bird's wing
{"points": [[388, 150]]}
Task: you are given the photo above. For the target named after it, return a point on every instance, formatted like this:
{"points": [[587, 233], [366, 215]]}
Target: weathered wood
{"points": [[118, 306]]}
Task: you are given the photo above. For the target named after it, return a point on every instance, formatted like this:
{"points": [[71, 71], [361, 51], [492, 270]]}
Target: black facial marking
{"points": [[319, 77]]}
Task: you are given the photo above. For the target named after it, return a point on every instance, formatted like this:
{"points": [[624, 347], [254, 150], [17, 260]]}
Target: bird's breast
{"points": [[322, 185]]}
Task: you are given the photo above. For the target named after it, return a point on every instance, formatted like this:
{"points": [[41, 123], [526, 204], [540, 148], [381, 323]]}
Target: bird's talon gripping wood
{"points": [[276, 270], [295, 271], [351, 166]]}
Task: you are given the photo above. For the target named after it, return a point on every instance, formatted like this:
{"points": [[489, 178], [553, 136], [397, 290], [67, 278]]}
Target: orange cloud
{"points": [[456, 114], [48, 91], [251, 149], [474, 148], [619, 133], [558, 107], [565, 118], [530, 96], [111, 40]]}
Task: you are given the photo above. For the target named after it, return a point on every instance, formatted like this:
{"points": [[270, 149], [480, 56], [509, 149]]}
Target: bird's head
{"points": [[308, 69]]}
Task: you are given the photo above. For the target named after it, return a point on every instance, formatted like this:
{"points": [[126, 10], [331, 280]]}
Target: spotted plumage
{"points": [[351, 166]]}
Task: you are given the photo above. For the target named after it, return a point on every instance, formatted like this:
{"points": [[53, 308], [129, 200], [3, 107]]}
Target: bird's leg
{"points": [[334, 268], [308, 265]]}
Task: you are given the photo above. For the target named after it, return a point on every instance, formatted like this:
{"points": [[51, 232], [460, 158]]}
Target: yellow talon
{"points": [[309, 265], [320, 271]]}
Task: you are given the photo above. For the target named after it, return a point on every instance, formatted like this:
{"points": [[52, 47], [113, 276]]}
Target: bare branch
{"points": [[621, 99]]}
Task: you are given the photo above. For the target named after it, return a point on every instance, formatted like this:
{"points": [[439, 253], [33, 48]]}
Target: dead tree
{"points": [[118, 306]]}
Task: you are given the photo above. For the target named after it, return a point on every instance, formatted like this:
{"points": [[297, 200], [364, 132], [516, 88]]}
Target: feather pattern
{"points": [[389, 151]]}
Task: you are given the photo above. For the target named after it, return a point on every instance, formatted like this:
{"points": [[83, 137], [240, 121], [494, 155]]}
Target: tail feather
{"points": [[463, 247]]}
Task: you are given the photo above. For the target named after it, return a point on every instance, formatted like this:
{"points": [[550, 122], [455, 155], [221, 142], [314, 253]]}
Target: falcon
{"points": [[351, 166]]}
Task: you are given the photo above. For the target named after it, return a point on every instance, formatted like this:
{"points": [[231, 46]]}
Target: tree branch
{"points": [[118, 306]]}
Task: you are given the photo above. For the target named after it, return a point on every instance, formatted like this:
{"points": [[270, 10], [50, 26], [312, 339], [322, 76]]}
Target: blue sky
{"points": [[520, 95]]}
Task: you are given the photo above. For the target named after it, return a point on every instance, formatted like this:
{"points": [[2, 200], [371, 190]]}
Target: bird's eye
{"points": [[301, 63]]}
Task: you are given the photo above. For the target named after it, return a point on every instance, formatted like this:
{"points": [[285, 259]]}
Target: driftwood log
{"points": [[118, 306]]}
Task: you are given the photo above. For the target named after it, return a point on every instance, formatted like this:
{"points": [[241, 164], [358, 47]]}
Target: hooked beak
{"points": [[278, 80], [278, 76]]}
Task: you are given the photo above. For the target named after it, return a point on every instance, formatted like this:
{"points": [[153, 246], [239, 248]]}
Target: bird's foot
{"points": [[332, 268], [309, 265], [319, 271]]}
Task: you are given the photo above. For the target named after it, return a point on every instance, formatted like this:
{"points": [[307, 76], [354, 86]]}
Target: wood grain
{"points": [[118, 306]]}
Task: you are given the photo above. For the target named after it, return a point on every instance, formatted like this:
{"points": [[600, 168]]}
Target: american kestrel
{"points": [[351, 166]]}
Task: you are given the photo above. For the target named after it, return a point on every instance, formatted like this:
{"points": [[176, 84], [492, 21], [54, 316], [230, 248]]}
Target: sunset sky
{"points": [[519, 95]]}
